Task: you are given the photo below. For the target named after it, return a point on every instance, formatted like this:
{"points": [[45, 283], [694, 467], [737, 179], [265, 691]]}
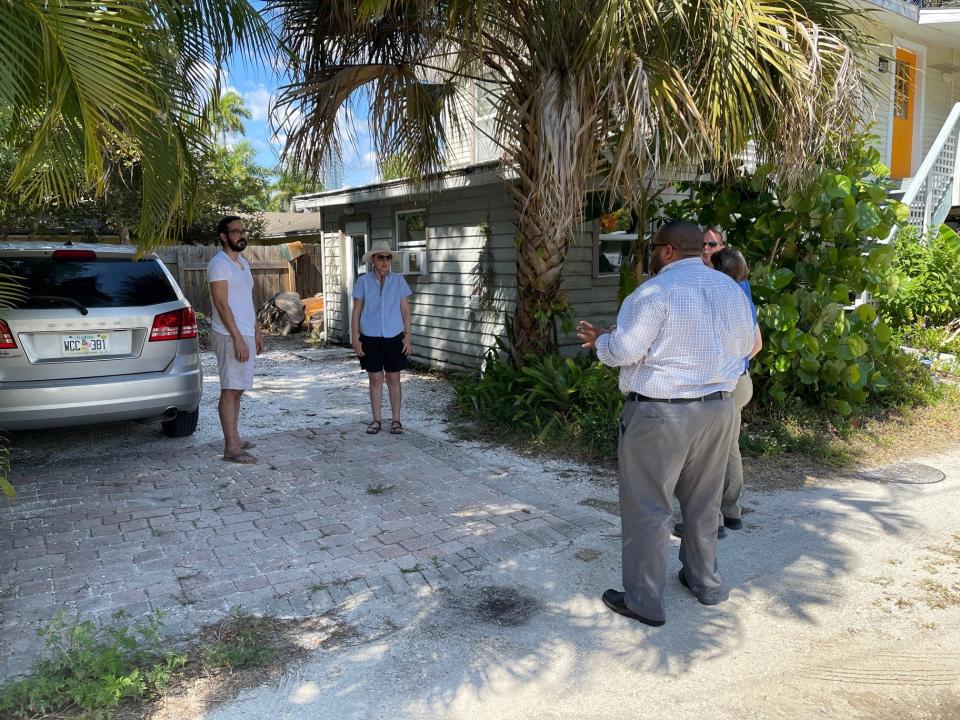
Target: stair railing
{"points": [[930, 194]]}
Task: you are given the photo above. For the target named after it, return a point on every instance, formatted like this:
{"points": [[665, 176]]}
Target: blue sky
{"points": [[257, 84]]}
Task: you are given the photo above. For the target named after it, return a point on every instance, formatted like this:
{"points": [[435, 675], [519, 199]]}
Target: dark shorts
{"points": [[380, 353]]}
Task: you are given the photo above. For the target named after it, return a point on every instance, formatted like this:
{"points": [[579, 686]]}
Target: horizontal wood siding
{"points": [[450, 328], [334, 292]]}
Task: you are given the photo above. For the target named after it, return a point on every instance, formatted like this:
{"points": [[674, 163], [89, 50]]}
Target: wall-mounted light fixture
{"points": [[882, 64]]}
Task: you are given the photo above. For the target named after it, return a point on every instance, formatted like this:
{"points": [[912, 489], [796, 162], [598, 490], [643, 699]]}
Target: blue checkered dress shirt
{"points": [[681, 334]]}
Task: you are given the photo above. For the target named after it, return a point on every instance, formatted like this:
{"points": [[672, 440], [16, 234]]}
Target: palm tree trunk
{"points": [[541, 251]]}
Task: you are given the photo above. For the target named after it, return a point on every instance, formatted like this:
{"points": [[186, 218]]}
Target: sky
{"points": [[257, 84]]}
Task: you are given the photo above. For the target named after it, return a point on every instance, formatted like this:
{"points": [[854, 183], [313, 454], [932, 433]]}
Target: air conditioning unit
{"points": [[410, 262]]}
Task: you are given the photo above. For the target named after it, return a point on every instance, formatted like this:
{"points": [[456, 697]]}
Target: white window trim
{"points": [[625, 237], [406, 249]]}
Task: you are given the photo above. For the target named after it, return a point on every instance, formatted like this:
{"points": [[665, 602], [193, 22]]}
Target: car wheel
{"points": [[183, 425]]}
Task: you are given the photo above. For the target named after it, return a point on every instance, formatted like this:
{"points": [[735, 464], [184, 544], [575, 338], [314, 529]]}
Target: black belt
{"points": [[718, 395]]}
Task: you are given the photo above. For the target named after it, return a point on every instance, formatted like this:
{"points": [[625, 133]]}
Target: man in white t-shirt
{"points": [[236, 337]]}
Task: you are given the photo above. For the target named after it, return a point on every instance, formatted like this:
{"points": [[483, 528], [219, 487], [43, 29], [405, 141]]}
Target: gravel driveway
{"points": [[294, 387]]}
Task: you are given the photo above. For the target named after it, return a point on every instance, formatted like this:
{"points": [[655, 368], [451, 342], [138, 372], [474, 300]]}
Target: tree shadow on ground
{"points": [[534, 627]]}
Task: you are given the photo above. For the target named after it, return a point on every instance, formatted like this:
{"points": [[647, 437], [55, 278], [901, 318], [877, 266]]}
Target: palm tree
{"points": [[93, 81], [227, 115], [588, 94], [88, 87]]}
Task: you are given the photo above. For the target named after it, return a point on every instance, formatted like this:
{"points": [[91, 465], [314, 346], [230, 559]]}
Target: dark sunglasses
{"points": [[711, 243], [383, 257]]}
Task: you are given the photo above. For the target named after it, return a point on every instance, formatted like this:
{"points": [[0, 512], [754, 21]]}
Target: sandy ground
{"points": [[294, 387], [843, 601]]}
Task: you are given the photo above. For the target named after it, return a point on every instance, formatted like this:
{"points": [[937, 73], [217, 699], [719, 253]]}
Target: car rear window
{"points": [[100, 283]]}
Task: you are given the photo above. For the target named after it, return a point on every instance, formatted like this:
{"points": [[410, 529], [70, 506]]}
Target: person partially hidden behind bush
{"points": [[679, 341]]}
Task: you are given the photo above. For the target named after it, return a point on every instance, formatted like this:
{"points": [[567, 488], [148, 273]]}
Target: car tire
{"points": [[183, 425]]}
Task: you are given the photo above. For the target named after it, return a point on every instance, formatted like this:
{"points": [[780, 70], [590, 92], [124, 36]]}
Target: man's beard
{"points": [[238, 246]]}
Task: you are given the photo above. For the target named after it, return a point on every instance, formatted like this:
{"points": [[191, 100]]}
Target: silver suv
{"points": [[99, 336]]}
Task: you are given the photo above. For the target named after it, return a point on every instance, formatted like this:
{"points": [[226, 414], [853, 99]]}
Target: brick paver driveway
{"points": [[327, 513]]}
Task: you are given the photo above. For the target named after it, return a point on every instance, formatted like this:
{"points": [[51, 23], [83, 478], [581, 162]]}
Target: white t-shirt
{"points": [[239, 293]]}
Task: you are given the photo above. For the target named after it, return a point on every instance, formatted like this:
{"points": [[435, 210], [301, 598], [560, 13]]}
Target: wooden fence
{"points": [[272, 273]]}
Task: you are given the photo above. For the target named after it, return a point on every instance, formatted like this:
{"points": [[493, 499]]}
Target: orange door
{"points": [[904, 104]]}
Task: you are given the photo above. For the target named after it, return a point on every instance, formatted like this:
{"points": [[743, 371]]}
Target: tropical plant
{"points": [[88, 81], [929, 271], [813, 253], [226, 115], [394, 168], [585, 93], [231, 182], [286, 184], [568, 402]]}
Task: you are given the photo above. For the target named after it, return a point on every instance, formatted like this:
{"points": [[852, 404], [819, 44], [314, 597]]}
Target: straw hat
{"points": [[380, 247]]}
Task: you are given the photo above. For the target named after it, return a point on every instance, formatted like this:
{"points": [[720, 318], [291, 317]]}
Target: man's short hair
{"points": [[222, 225], [684, 236]]}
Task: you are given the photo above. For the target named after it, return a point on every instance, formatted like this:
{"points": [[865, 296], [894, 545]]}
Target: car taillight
{"points": [[174, 325], [188, 324], [6, 337], [74, 255]]}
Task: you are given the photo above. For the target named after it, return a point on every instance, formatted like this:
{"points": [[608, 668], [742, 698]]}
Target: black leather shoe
{"points": [[613, 599], [683, 581], [678, 531], [732, 523]]}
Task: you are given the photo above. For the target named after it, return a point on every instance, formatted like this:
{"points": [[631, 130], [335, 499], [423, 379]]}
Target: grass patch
{"points": [[94, 671], [240, 641], [415, 569], [91, 670]]}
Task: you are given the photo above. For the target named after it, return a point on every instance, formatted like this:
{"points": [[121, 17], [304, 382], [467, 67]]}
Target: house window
{"points": [[612, 252], [485, 122], [412, 240], [902, 89]]}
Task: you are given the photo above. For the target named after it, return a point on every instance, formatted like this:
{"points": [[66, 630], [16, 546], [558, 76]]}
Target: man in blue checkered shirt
{"points": [[679, 341]]}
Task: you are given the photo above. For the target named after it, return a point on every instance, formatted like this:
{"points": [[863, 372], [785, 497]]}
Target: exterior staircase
{"points": [[934, 190]]}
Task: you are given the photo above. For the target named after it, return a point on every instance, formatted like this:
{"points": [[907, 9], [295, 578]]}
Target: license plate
{"points": [[77, 345]]}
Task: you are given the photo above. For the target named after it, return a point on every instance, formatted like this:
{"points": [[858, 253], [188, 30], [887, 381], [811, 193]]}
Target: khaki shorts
{"points": [[234, 375]]}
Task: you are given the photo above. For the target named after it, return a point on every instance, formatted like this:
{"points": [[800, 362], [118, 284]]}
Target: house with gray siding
{"points": [[456, 240], [456, 236]]}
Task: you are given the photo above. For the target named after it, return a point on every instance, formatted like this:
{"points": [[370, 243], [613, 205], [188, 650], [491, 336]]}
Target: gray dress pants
{"points": [[668, 449], [733, 482]]}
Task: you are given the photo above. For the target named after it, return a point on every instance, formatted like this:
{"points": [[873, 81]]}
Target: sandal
{"points": [[396, 428], [373, 428]]}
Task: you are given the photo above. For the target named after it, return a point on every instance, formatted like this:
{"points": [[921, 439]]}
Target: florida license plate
{"points": [[77, 345]]}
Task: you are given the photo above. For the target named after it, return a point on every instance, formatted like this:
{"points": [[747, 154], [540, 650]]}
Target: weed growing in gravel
{"points": [[378, 489], [416, 568], [91, 670], [241, 641]]}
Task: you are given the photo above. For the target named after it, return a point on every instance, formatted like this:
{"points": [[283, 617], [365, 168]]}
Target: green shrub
{"points": [[91, 669], [811, 254], [553, 400], [929, 272]]}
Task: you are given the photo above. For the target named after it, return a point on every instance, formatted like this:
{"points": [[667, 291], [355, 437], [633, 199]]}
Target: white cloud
{"points": [[259, 102]]}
